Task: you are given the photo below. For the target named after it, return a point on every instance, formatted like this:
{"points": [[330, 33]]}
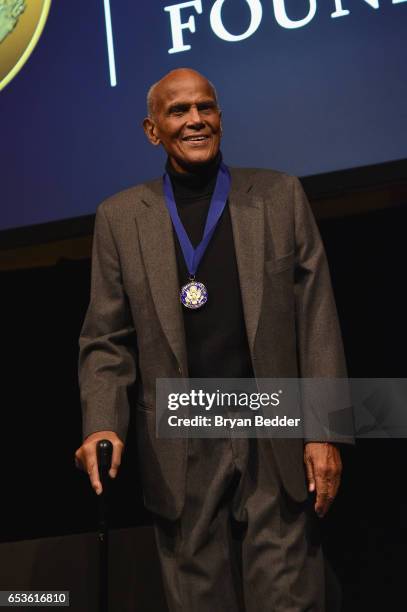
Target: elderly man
{"points": [[235, 519]]}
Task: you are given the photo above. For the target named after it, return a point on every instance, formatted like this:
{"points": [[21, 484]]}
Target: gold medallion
{"points": [[21, 25]]}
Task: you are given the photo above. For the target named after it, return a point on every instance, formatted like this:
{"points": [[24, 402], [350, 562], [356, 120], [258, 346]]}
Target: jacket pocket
{"points": [[143, 407], [278, 264]]}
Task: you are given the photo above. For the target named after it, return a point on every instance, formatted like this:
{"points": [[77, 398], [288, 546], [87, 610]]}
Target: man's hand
{"points": [[323, 466], [86, 458]]}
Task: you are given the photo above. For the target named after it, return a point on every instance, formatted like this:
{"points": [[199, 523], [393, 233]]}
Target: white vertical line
{"points": [[110, 47]]}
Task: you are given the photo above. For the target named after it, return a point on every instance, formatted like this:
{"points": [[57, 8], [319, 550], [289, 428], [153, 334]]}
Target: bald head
{"points": [[169, 83], [184, 117]]}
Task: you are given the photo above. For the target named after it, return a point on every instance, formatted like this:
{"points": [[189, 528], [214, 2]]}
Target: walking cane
{"points": [[104, 456]]}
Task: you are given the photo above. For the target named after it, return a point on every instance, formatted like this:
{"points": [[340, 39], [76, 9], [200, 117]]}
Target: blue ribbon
{"points": [[218, 202]]}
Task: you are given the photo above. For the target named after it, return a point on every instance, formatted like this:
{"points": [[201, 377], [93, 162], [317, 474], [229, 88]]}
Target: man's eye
{"points": [[206, 108]]}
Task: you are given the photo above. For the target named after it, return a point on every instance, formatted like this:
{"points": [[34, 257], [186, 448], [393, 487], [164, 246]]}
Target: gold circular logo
{"points": [[21, 25]]}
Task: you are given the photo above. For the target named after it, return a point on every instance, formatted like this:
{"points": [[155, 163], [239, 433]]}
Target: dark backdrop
{"points": [[43, 494]]}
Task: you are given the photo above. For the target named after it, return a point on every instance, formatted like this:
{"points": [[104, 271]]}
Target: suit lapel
{"points": [[157, 245], [247, 217]]}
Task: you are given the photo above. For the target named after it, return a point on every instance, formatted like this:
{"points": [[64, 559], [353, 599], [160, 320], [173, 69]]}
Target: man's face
{"points": [[186, 120]]}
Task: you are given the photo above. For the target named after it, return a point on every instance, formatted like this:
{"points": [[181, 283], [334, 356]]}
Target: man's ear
{"points": [[151, 131]]}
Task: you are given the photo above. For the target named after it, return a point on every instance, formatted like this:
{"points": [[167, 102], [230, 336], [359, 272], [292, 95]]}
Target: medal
{"points": [[194, 294]]}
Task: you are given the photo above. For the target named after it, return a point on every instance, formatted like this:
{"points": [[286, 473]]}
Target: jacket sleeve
{"points": [[107, 343], [326, 401]]}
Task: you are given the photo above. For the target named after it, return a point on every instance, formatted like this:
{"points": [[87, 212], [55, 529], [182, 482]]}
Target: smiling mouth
{"points": [[195, 138]]}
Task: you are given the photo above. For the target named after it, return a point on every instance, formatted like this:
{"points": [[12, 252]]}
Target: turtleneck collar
{"points": [[194, 185]]}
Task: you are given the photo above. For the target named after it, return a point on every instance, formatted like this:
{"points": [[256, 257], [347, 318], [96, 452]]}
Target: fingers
{"points": [[86, 457], [86, 460], [310, 474], [324, 467], [116, 458], [93, 471], [326, 487]]}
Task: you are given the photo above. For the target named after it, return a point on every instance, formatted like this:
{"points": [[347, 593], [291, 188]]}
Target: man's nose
{"points": [[194, 118]]}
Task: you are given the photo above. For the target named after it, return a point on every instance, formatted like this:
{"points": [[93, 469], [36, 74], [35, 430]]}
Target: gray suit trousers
{"points": [[241, 544]]}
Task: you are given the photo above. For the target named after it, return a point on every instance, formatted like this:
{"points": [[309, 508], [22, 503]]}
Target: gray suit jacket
{"points": [[133, 332]]}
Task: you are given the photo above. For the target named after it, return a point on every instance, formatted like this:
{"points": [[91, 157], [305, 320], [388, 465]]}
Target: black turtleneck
{"points": [[215, 334]]}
